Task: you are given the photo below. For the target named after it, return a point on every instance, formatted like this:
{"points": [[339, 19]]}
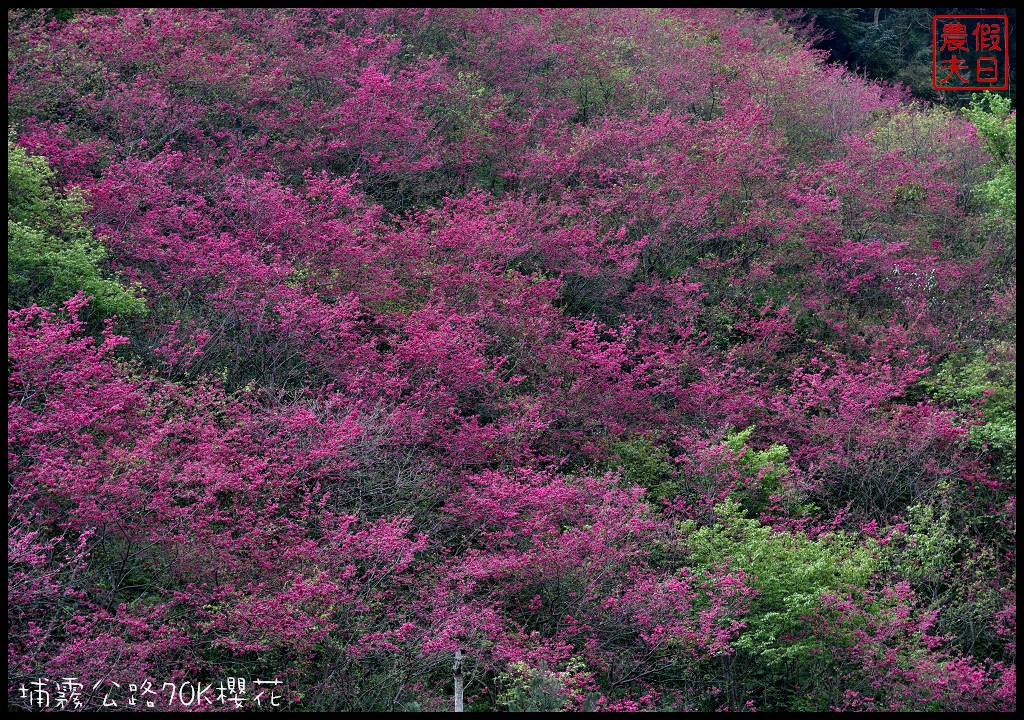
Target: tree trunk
{"points": [[457, 672]]}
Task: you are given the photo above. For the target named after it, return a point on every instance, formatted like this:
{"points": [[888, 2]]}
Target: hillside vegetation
{"points": [[645, 356]]}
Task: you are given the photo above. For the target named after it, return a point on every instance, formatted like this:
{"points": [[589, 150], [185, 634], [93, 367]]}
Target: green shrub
{"points": [[51, 255], [997, 126], [985, 379]]}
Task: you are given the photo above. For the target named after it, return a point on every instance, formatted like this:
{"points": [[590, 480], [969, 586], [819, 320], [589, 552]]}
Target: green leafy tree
{"points": [[768, 466], [51, 254], [890, 44], [997, 126], [648, 466], [986, 380], [540, 689], [953, 570], [777, 656]]}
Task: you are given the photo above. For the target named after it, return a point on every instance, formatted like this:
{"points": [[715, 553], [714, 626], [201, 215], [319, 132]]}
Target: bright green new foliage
{"points": [[51, 255], [997, 126], [790, 573]]}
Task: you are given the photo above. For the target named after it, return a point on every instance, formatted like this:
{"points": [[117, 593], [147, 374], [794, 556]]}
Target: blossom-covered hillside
{"points": [[644, 356]]}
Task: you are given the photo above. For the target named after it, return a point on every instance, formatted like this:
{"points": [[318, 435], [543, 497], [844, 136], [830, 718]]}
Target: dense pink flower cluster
{"points": [[423, 285]]}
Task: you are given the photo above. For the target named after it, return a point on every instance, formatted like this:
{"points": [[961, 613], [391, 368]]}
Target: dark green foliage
{"points": [[895, 44], [646, 465]]}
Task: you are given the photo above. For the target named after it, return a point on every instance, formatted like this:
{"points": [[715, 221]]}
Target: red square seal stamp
{"points": [[969, 52]]}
